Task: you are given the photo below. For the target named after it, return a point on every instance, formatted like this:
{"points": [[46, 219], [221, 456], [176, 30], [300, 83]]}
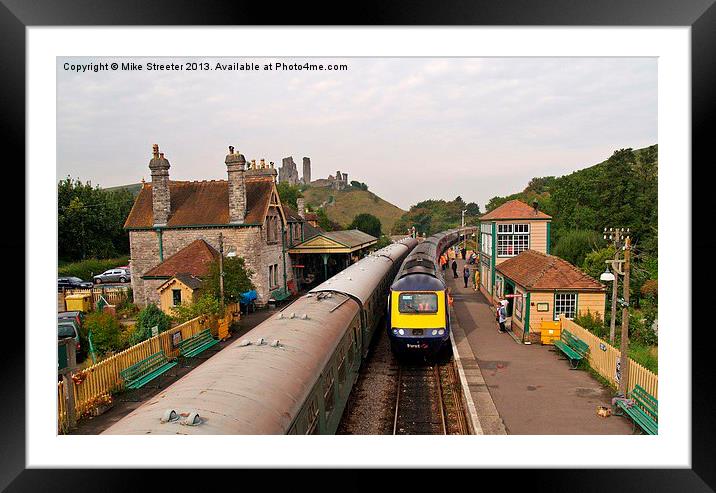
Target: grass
{"points": [[646, 356], [350, 203], [85, 269]]}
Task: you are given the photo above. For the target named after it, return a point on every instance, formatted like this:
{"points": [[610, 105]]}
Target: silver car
{"points": [[113, 275]]}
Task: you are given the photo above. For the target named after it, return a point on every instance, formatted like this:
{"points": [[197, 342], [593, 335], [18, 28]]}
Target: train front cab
{"points": [[418, 316]]}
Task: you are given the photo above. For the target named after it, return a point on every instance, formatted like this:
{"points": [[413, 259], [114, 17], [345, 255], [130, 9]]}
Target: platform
{"points": [[521, 389]]}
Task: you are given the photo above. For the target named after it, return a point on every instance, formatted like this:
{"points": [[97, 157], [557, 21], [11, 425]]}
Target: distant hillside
{"points": [[346, 204], [133, 188]]}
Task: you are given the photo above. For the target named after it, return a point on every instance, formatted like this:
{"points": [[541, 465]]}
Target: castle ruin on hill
{"points": [[288, 173]]}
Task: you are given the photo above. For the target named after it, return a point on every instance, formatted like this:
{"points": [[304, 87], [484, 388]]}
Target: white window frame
{"points": [[508, 236], [567, 298]]}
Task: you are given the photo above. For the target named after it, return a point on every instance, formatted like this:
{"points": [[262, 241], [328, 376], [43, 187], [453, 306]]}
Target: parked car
{"points": [[73, 282], [70, 328], [76, 316], [113, 275]]}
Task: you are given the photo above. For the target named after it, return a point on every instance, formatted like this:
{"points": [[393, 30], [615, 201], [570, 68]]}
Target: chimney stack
{"points": [[535, 206], [235, 163], [301, 206], [161, 202]]}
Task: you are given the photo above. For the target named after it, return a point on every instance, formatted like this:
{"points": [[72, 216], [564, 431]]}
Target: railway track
{"points": [[418, 404], [428, 401]]}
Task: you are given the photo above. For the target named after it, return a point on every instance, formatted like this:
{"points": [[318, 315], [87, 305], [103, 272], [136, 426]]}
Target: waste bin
{"points": [[78, 302], [550, 331]]}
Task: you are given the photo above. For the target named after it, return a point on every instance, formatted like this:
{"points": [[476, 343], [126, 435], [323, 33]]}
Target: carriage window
{"points": [[418, 303]]}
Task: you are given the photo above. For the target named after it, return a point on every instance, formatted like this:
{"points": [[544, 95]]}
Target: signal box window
{"points": [[418, 303]]}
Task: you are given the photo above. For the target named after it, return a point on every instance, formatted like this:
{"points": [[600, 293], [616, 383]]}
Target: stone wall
{"points": [[249, 243]]}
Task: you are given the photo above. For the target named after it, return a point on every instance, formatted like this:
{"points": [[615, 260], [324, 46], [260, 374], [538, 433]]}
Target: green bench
{"points": [[143, 372], [280, 294], [197, 344], [644, 412], [573, 347]]}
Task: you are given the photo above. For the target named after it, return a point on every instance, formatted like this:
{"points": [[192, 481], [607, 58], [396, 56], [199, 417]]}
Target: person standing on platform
{"points": [[466, 274], [476, 280], [463, 252], [501, 315], [454, 268]]}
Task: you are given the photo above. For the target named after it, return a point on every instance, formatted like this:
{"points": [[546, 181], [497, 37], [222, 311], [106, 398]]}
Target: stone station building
{"points": [[245, 210]]}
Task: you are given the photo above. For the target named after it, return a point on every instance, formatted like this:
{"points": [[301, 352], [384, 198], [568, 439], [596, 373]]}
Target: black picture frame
{"points": [[16, 15]]}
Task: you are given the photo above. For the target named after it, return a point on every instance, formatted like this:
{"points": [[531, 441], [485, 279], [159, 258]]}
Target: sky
{"points": [[410, 128]]}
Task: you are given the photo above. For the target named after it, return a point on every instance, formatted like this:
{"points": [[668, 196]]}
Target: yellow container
{"points": [[80, 302], [549, 332]]}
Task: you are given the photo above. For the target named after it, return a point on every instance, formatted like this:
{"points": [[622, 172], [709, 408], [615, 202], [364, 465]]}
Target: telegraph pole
{"points": [[617, 236], [221, 270], [624, 358]]}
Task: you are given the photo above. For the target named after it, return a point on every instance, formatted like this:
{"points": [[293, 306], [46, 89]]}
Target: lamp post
{"points": [[462, 222]]}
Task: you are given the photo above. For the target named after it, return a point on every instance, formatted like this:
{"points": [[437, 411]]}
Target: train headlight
{"points": [[441, 331], [435, 332], [401, 332], [395, 331]]}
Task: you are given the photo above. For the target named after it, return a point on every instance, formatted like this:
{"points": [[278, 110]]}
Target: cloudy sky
{"points": [[411, 128]]}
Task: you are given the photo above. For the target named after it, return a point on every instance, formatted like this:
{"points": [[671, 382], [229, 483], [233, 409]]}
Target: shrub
{"points": [[150, 316], [207, 305], [105, 332], [593, 323]]}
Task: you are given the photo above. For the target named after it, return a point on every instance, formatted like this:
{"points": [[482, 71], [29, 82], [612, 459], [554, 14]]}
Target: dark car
{"points": [[73, 282], [75, 319]]}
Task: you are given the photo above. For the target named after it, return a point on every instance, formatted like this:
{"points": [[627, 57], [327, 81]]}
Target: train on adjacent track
{"points": [[292, 374], [418, 308]]}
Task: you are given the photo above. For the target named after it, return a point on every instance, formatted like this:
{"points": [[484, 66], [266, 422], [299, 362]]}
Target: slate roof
{"points": [[195, 203], [190, 281], [350, 237], [514, 209], [194, 259], [291, 215], [538, 271], [309, 231]]}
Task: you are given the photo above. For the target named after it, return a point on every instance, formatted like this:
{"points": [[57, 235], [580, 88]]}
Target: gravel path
{"points": [[371, 405]]}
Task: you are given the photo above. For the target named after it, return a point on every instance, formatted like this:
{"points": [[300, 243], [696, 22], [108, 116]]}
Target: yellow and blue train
{"points": [[418, 311]]}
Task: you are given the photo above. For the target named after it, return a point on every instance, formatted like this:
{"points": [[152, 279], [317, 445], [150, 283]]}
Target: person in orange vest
{"points": [[449, 295], [443, 262]]}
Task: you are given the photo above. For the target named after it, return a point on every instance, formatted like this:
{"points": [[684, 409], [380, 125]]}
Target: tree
{"points": [[574, 245], [367, 223], [289, 193], [91, 221], [237, 279]]}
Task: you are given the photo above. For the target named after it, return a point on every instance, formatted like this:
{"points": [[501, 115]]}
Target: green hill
{"points": [[342, 206], [133, 188]]}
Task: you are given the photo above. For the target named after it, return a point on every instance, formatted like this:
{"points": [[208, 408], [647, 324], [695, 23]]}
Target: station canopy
{"points": [[347, 241]]}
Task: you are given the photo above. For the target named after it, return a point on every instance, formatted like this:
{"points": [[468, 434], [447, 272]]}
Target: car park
{"points": [[113, 275], [72, 282]]}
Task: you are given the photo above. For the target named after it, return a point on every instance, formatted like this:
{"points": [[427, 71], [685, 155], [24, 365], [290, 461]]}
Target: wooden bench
{"points": [[197, 344], [280, 294], [573, 347], [143, 372], [644, 412]]}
